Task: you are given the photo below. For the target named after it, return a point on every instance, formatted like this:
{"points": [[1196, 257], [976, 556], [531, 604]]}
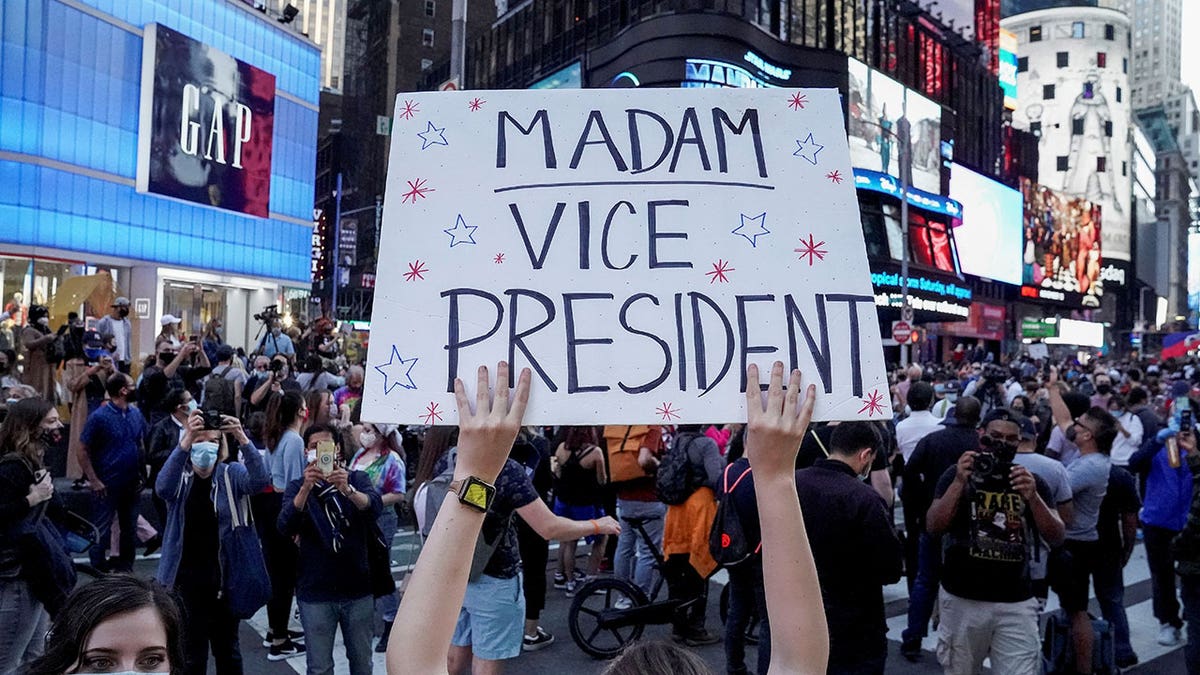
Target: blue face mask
{"points": [[204, 454], [192, 405]]}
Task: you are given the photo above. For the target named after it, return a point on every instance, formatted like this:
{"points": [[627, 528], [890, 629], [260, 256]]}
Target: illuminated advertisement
{"points": [[205, 126], [1061, 260], [876, 102], [1008, 68], [943, 297], [570, 77], [989, 238]]}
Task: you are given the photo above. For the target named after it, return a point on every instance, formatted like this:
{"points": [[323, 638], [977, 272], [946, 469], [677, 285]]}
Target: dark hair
{"points": [[115, 383], [255, 423], [438, 440], [652, 657], [1137, 396], [1027, 408], [1106, 428], [312, 399], [967, 410], [20, 433], [850, 437], [282, 411], [93, 604], [174, 398], [579, 437], [920, 395], [333, 431]]}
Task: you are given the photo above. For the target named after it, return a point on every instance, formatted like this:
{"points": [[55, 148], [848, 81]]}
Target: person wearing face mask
{"points": [[164, 438], [276, 342], [196, 482], [8, 371], [86, 384], [25, 494], [1104, 390], [1129, 431], [321, 407], [212, 339], [170, 330], [349, 395], [855, 548], [178, 367], [116, 329], [279, 379], [37, 340]]}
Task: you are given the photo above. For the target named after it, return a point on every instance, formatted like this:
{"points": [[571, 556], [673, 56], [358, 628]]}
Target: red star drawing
{"points": [[797, 101], [719, 270], [835, 176], [416, 270], [812, 249], [432, 413], [499, 259], [476, 103], [873, 404], [410, 109], [416, 189], [668, 412]]}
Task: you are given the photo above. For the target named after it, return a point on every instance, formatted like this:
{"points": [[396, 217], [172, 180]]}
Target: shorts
{"points": [[492, 619], [1071, 570], [582, 513]]}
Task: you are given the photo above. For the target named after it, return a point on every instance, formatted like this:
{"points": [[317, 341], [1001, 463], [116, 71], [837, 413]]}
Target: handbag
{"points": [[44, 561], [379, 562], [246, 585]]}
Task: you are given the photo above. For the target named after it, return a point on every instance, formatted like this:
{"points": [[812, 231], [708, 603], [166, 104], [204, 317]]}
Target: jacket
{"points": [[929, 460], [174, 485], [1186, 545], [1168, 491]]}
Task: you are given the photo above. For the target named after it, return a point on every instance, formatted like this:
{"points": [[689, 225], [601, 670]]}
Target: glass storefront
{"points": [[26, 281]]}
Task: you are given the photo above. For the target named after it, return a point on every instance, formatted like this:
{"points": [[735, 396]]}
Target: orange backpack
{"points": [[623, 443]]}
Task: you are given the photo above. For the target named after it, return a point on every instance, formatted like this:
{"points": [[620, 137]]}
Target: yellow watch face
{"points": [[476, 494]]}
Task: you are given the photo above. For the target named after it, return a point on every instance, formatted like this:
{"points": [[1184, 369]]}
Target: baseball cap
{"points": [[170, 318], [121, 301], [224, 353], [1005, 414], [1028, 430]]}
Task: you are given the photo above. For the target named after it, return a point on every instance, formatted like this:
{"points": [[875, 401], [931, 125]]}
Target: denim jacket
{"points": [[174, 483]]}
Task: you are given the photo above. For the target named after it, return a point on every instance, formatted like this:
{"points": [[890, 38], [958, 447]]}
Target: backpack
{"points": [[1058, 650], [623, 443], [428, 500], [219, 392], [56, 351], [676, 479], [144, 395], [727, 540]]}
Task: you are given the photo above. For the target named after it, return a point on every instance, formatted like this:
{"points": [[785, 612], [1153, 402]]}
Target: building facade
{"points": [[1157, 52], [164, 150], [323, 22]]}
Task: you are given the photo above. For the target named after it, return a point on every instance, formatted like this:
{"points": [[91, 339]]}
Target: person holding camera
{"points": [[178, 367], [984, 507], [199, 488], [278, 380]]}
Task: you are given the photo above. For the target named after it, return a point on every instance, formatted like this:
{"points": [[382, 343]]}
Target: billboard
{"points": [[1061, 260], [876, 102], [1008, 68], [989, 239], [205, 125]]}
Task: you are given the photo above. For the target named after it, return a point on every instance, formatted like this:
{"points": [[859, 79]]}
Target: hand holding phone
{"points": [[326, 457]]}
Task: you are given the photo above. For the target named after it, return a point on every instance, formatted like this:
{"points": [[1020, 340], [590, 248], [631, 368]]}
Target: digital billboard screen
{"points": [[876, 102], [205, 125], [1062, 245], [989, 238]]}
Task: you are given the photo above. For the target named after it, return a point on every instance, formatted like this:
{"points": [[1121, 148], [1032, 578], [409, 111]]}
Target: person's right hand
{"points": [[312, 475], [98, 488], [775, 428], [607, 525], [1053, 379], [486, 434], [195, 424], [41, 490], [1187, 442], [965, 466]]}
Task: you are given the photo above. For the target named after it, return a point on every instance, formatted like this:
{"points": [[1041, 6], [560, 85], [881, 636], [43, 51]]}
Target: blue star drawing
{"points": [[461, 233], [431, 140], [760, 220], [808, 149], [392, 377]]}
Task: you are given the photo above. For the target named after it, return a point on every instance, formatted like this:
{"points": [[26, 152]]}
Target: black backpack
{"points": [[727, 540], [219, 392], [676, 480]]}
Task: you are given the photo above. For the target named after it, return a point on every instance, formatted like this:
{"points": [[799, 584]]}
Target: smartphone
{"points": [[1185, 421], [326, 456], [195, 339]]}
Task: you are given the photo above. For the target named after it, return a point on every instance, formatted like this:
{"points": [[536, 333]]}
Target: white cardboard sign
{"points": [[635, 248]]}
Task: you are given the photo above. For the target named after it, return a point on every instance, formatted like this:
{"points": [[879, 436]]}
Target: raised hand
{"points": [[777, 423], [486, 434]]}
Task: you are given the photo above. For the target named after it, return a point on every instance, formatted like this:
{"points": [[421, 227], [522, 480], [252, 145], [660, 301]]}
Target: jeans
{"points": [[925, 588], [746, 594], [209, 624], [686, 584], [1110, 593], [385, 607], [1162, 574], [633, 560], [23, 625], [1191, 613], [321, 620], [121, 500]]}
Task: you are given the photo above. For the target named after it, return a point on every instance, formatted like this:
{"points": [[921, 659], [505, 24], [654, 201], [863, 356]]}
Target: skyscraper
{"points": [[324, 22], [1156, 33]]}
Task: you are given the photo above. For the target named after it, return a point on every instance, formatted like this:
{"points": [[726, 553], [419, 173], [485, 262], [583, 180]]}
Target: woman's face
{"points": [[130, 642], [51, 421]]}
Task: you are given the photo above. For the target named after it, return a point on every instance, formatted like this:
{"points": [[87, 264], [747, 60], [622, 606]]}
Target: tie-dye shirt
{"points": [[387, 473]]}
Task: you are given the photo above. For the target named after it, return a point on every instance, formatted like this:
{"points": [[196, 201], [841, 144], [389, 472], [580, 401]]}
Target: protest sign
{"points": [[634, 248]]}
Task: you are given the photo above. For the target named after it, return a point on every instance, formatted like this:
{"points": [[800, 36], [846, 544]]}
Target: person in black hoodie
{"points": [[856, 550]]}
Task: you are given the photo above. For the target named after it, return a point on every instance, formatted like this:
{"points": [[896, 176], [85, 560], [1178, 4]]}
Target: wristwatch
{"points": [[474, 492]]}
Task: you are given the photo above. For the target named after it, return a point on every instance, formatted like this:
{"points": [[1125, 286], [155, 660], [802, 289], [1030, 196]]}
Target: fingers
{"points": [[482, 403], [460, 397], [754, 403], [517, 411], [810, 402], [775, 389], [792, 399], [500, 403]]}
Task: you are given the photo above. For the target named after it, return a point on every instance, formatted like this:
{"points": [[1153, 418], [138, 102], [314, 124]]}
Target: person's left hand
{"points": [[774, 430], [340, 479], [1023, 482], [232, 425], [486, 434], [195, 425]]}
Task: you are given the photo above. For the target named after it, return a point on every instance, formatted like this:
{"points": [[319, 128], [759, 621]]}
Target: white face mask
{"points": [[310, 456], [368, 438]]}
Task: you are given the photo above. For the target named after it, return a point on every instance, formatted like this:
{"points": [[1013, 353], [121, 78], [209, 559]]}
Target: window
{"points": [[333, 81], [1108, 128], [1118, 94], [1124, 168], [426, 64], [427, 37], [1047, 91], [1077, 126], [1101, 164], [1061, 163], [1022, 64], [1035, 128], [1125, 65], [1077, 29], [1110, 31], [1088, 90], [1035, 34], [430, 6], [1101, 60], [1064, 59]]}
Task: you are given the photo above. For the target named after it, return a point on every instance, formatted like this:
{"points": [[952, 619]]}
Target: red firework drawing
{"points": [[797, 101], [835, 176], [416, 270], [416, 189], [409, 110], [433, 413], [873, 404], [719, 271], [668, 412], [812, 249]]}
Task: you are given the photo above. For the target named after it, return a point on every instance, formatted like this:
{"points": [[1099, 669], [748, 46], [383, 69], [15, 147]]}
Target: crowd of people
{"points": [[1015, 482]]}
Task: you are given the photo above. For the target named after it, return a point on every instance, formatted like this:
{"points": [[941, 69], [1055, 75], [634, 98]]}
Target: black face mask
{"points": [[51, 436], [166, 358], [123, 311], [1103, 389]]}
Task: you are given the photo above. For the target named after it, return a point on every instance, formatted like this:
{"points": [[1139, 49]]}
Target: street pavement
{"points": [[565, 657]]}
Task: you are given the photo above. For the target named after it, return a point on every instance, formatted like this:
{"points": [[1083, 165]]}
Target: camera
{"points": [[276, 365], [268, 314], [993, 373], [212, 420], [994, 460]]}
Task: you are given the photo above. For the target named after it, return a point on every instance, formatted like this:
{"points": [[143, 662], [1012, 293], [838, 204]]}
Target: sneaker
{"points": [[560, 580], [285, 650], [1168, 636], [911, 650], [701, 639], [571, 586], [293, 635], [622, 603], [532, 643], [1127, 661]]}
